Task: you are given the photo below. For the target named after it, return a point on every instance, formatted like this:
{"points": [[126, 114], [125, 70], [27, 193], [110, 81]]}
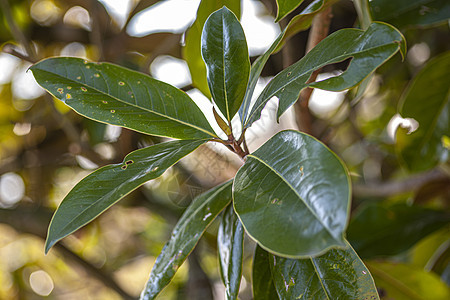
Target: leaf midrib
{"points": [[295, 191], [343, 56], [127, 103]]}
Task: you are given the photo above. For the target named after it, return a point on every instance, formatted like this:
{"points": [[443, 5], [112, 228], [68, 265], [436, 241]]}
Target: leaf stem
{"points": [[363, 11]]}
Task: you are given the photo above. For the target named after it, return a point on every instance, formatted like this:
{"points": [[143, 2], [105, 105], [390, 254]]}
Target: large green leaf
{"points": [[262, 281], [405, 282], [368, 50], [185, 236], [230, 243], [192, 49], [338, 274], [403, 13], [292, 196], [285, 7], [225, 52], [427, 101], [380, 229], [104, 187], [118, 96]]}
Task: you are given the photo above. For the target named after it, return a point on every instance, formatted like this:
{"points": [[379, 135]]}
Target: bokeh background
{"points": [[46, 149]]}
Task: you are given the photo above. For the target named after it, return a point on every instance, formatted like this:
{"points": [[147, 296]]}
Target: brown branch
{"points": [[31, 220], [319, 30], [386, 189]]}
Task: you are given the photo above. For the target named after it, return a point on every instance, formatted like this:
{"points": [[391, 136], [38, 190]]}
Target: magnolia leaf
{"points": [[262, 281], [368, 50], [338, 274], [285, 7], [115, 95], [188, 231], [292, 196], [225, 52], [426, 100], [230, 244], [192, 49], [104, 187]]}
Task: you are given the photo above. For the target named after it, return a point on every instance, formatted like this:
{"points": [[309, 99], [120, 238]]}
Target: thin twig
{"points": [[15, 30], [391, 188]]}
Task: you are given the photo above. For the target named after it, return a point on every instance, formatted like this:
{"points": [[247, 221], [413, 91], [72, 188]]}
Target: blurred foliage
{"points": [[45, 149]]}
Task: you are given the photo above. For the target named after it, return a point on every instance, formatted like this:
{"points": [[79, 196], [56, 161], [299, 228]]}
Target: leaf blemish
{"points": [[121, 83], [69, 87], [129, 162], [155, 169], [105, 102], [124, 167], [289, 74], [301, 171], [78, 77], [68, 96], [97, 75], [207, 216], [112, 111], [84, 89], [60, 90]]}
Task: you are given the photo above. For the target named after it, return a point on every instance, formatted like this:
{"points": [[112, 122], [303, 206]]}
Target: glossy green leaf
{"points": [[338, 274], [255, 72], [292, 196], [303, 20], [101, 189], [368, 50], [427, 101], [262, 281], [185, 236], [115, 95], [405, 282], [379, 229], [192, 49], [285, 7], [230, 243], [407, 13], [225, 52]]}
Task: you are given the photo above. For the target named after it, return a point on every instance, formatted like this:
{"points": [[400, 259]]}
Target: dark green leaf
{"points": [[406, 282], [292, 196], [303, 20], [285, 7], [368, 50], [104, 187], [255, 72], [427, 101], [225, 52], [262, 281], [118, 96], [379, 229], [406, 13], [338, 274], [230, 243], [185, 236], [192, 49]]}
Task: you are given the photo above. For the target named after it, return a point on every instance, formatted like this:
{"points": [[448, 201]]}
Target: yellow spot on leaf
{"points": [[68, 96]]}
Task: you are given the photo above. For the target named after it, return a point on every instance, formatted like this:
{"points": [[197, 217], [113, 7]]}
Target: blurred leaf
{"points": [[338, 274], [263, 285], [101, 189], [192, 49], [404, 282], [407, 13], [118, 96], [379, 229], [225, 52], [368, 50], [427, 101], [96, 131], [230, 244], [303, 20], [424, 252], [292, 196], [185, 236], [285, 7]]}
